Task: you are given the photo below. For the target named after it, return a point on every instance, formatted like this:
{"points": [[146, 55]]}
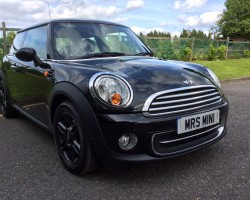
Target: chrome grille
{"points": [[167, 144], [181, 100]]}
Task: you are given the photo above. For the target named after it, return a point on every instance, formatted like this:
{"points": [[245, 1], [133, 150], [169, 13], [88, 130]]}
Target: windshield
{"points": [[78, 40]]}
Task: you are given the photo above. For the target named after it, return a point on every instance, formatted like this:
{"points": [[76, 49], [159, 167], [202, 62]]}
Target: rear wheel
{"points": [[5, 104], [71, 140]]}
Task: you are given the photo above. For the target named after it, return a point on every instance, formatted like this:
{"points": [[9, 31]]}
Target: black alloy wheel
{"points": [[5, 105], [71, 140]]}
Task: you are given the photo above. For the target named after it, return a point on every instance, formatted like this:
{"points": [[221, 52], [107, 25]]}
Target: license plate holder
{"points": [[198, 121]]}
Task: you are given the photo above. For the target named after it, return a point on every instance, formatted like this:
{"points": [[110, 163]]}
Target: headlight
{"points": [[215, 78], [111, 89]]}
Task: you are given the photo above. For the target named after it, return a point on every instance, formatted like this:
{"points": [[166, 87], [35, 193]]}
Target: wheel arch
{"points": [[65, 91]]}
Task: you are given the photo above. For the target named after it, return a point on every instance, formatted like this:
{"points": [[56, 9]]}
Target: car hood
{"points": [[148, 75]]}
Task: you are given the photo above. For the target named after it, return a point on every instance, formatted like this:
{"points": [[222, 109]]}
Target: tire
{"points": [[5, 104], [71, 140]]}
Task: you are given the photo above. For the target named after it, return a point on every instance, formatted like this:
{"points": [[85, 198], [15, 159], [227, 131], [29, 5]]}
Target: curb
{"points": [[236, 79]]}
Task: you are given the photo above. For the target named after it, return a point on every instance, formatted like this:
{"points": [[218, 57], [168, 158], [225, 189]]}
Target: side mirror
{"points": [[26, 54]]}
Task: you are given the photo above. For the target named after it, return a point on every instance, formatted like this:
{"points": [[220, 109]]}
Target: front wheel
{"points": [[5, 104], [72, 141]]}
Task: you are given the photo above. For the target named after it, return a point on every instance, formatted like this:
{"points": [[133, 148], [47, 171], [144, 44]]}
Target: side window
{"points": [[37, 38], [17, 43]]}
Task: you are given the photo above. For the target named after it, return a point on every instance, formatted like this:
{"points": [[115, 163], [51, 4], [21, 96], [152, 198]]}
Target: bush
{"points": [[186, 54], [216, 52], [246, 53], [221, 52], [212, 52]]}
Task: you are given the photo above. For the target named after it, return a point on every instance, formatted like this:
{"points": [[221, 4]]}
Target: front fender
{"points": [[68, 91]]}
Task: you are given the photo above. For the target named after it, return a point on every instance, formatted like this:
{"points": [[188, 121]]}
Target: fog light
{"points": [[124, 140], [127, 141]]}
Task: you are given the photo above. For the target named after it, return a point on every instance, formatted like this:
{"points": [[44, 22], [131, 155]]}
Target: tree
{"points": [[201, 34], [150, 34], [192, 34], [185, 33], [10, 37], [155, 33], [235, 19]]}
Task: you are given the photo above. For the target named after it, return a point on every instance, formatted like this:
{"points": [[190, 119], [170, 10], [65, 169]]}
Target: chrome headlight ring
{"points": [[111, 89]]}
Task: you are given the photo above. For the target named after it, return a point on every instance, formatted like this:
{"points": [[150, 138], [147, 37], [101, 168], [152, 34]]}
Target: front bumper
{"points": [[157, 137]]}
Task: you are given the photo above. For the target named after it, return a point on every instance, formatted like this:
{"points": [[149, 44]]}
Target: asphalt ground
{"points": [[30, 167]]}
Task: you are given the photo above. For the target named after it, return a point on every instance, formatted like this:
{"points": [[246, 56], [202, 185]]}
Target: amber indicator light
{"points": [[46, 73], [116, 99]]}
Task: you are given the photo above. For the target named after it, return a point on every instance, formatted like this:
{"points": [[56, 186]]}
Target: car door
{"points": [[9, 64], [30, 87]]}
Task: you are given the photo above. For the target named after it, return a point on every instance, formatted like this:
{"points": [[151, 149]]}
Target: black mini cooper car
{"points": [[106, 98]]}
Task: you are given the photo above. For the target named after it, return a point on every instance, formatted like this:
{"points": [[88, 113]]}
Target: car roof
{"points": [[68, 21]]}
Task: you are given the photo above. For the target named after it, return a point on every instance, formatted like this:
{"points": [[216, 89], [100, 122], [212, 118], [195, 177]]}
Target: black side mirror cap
{"points": [[26, 54]]}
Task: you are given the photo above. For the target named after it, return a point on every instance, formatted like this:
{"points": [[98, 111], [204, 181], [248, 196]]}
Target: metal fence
{"points": [[199, 46], [238, 49]]}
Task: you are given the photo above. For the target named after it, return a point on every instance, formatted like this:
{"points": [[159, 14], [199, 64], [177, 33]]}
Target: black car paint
{"points": [[34, 99], [146, 76], [69, 79]]}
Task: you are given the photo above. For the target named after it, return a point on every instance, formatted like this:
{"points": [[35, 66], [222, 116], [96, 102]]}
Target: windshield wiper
{"points": [[103, 54], [144, 53]]}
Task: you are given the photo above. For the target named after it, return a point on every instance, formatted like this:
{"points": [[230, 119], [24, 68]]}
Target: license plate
{"points": [[194, 122]]}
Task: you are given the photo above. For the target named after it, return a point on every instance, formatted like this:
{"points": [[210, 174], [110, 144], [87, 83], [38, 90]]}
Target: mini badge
{"points": [[188, 82]]}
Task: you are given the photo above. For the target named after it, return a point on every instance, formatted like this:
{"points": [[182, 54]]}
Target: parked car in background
{"points": [[98, 88]]}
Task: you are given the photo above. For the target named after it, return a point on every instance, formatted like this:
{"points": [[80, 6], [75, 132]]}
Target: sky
{"points": [[140, 15]]}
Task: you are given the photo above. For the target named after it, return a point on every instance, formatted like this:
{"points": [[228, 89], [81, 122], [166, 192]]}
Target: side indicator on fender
{"points": [[46, 73]]}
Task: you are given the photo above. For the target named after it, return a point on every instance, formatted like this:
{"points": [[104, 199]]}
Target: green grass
{"points": [[229, 69]]}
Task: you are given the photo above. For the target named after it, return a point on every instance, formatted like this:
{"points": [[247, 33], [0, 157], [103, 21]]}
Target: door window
{"points": [[17, 43], [37, 39]]}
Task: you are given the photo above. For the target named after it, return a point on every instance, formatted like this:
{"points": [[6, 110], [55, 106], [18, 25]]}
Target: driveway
{"points": [[30, 167]]}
